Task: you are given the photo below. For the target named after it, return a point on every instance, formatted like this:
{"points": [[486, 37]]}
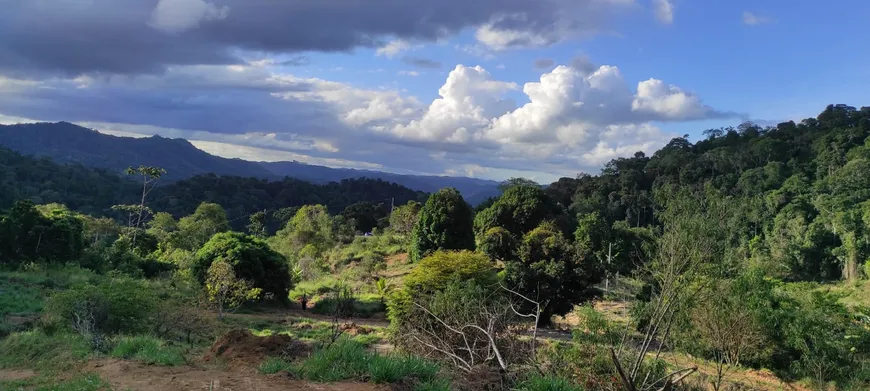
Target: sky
{"points": [[482, 88]]}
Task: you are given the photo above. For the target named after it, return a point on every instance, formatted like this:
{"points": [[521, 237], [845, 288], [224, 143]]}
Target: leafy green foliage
{"points": [[195, 230], [441, 268], [549, 268], [519, 210], [367, 216], [226, 291], [445, 223], [243, 196], [115, 305], [251, 259], [26, 235], [404, 218]]}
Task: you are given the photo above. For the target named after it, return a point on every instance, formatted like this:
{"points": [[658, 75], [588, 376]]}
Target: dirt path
{"points": [[16, 374], [126, 375]]}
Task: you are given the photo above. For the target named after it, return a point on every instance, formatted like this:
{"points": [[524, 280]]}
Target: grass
{"points": [[343, 360], [274, 365], [433, 385], [304, 329], [149, 350], [38, 350], [547, 383], [84, 382], [23, 293], [347, 359], [392, 368]]}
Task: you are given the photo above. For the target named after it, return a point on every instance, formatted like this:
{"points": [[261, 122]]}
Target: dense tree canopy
{"points": [[251, 258], [445, 223]]}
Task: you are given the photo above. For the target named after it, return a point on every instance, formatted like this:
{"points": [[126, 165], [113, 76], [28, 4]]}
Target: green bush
{"points": [[392, 368], [444, 223], [252, 259], [274, 365], [439, 269], [147, 349], [547, 383], [116, 305]]}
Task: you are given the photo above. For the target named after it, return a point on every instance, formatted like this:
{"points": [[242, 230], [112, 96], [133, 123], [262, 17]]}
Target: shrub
{"points": [[441, 268], [115, 305], [147, 349]]}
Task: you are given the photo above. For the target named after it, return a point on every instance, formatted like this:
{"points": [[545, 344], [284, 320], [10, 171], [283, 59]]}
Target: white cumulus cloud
{"points": [[664, 10]]}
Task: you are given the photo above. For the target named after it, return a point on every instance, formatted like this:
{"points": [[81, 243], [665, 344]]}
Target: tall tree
{"points": [[445, 223], [149, 175]]}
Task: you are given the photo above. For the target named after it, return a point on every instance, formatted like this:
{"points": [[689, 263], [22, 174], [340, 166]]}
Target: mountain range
{"points": [[65, 142]]}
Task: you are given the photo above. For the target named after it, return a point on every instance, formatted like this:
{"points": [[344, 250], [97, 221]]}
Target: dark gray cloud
{"points": [[421, 62], [74, 37], [544, 63], [583, 64]]}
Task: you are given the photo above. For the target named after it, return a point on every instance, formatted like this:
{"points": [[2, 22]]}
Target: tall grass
{"points": [[147, 349], [547, 383], [38, 350], [392, 368], [345, 359], [274, 365], [348, 359]]}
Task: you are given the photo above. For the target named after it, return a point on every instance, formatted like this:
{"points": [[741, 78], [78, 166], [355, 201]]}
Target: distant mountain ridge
{"points": [[65, 142]]}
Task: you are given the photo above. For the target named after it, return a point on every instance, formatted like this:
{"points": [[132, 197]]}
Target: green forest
{"points": [[737, 262]]}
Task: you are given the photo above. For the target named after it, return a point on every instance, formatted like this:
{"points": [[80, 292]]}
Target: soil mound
{"points": [[241, 344], [354, 329]]}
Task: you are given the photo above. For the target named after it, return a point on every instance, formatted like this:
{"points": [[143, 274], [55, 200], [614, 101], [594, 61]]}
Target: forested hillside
{"points": [[736, 262], [799, 192], [43, 181], [244, 196], [64, 142]]}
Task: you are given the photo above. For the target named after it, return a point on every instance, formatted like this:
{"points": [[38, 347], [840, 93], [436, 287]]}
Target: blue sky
{"points": [[493, 88]]}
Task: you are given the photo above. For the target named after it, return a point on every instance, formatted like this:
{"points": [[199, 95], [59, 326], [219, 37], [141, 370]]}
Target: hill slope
{"points": [[64, 142]]}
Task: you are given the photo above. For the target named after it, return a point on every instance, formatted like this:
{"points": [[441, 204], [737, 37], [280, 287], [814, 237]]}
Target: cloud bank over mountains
{"points": [[218, 71]]}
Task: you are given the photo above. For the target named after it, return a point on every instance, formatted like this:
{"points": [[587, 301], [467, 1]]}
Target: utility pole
{"points": [[392, 200]]}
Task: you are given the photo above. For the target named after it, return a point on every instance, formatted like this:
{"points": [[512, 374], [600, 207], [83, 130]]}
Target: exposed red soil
{"points": [[127, 375], [242, 345]]}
